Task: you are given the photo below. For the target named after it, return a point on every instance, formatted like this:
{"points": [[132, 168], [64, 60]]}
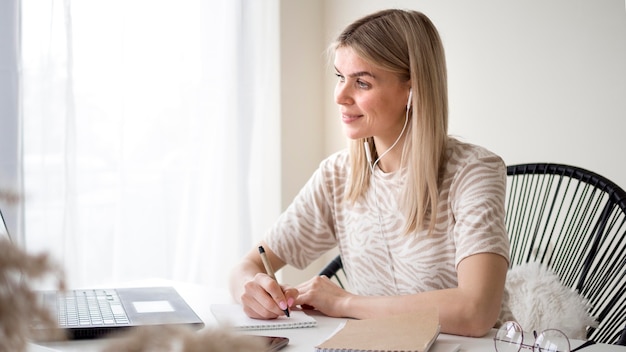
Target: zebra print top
{"points": [[377, 257]]}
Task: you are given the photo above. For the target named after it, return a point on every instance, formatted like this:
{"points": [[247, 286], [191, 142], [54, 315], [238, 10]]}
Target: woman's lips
{"points": [[346, 118]]}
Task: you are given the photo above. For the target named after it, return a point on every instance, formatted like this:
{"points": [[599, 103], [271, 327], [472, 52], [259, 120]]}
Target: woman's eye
{"points": [[362, 84], [358, 83]]}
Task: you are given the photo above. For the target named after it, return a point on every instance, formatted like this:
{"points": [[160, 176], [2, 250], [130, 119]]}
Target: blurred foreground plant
{"points": [[182, 339], [19, 305]]}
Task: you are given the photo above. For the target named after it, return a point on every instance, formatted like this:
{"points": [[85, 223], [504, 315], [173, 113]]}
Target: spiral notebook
{"points": [[409, 332], [233, 315]]}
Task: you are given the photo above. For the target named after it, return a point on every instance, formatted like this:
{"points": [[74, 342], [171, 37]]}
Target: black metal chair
{"points": [[574, 221], [334, 271]]}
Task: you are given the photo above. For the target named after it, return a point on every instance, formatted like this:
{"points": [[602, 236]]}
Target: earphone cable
{"points": [[373, 182]]}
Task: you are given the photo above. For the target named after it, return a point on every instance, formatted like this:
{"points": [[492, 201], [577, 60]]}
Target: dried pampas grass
{"points": [[9, 197], [181, 339], [19, 305]]}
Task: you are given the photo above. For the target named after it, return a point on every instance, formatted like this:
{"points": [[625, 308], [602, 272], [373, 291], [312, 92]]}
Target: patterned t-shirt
{"points": [[377, 257]]}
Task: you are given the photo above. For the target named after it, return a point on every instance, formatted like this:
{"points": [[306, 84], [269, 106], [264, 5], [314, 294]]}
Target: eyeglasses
{"points": [[510, 338]]}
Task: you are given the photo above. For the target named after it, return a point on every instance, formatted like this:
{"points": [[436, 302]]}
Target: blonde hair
{"points": [[406, 43]]}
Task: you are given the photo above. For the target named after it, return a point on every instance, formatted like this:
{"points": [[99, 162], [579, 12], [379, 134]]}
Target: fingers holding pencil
{"points": [[261, 296], [264, 298], [284, 297]]}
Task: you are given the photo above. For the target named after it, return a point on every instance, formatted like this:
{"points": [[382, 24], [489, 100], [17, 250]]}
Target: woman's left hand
{"points": [[325, 296]]}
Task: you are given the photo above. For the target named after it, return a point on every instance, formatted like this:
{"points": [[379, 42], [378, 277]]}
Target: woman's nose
{"points": [[342, 95]]}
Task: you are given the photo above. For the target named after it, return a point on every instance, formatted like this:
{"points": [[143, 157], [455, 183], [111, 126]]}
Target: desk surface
{"points": [[300, 340]]}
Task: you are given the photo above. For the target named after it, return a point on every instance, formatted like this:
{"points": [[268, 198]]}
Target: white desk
{"points": [[301, 340]]}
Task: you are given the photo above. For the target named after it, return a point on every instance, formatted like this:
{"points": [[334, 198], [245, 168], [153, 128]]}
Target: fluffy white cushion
{"points": [[539, 301]]}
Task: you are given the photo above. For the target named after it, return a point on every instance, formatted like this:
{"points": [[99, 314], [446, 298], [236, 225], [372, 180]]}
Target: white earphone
{"points": [[372, 165], [368, 154], [408, 102]]}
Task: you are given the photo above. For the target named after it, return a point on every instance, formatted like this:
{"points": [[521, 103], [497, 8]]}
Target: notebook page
{"points": [[234, 316]]}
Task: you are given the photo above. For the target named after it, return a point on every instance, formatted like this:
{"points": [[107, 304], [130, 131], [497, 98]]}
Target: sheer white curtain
{"points": [[142, 123]]}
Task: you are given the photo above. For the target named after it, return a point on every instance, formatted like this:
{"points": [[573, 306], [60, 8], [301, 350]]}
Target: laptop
{"points": [[95, 313]]}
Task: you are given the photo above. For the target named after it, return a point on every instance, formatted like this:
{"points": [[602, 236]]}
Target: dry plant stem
{"points": [[18, 301], [182, 339], [9, 197]]}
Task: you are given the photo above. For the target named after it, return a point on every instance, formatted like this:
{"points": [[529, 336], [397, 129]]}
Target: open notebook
{"points": [[232, 315]]}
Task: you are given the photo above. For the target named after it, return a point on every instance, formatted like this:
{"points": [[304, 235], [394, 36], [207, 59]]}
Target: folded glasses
{"points": [[510, 338]]}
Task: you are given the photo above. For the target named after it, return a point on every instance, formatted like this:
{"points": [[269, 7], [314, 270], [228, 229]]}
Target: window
{"points": [[138, 151]]}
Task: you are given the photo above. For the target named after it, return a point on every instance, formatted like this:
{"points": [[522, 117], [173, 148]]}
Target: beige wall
{"points": [[302, 103], [531, 80]]}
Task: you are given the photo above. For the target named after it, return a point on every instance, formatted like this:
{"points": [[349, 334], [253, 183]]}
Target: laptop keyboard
{"points": [[90, 307]]}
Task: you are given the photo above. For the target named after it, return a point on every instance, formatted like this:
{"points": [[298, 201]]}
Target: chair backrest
{"points": [[573, 221], [334, 271]]}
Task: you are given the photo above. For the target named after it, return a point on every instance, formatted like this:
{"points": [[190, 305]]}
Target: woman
{"points": [[418, 216]]}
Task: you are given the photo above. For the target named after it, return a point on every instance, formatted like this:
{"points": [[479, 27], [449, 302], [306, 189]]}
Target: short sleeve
{"points": [[478, 204]]}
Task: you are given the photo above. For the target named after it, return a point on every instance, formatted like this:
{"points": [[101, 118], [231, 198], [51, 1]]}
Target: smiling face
{"points": [[372, 101]]}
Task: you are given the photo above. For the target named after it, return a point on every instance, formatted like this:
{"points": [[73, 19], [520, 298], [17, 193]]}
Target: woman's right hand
{"points": [[264, 298], [261, 295]]}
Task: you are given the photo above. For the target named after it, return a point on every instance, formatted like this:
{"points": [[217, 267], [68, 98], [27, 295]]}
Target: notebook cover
{"points": [[412, 332]]}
